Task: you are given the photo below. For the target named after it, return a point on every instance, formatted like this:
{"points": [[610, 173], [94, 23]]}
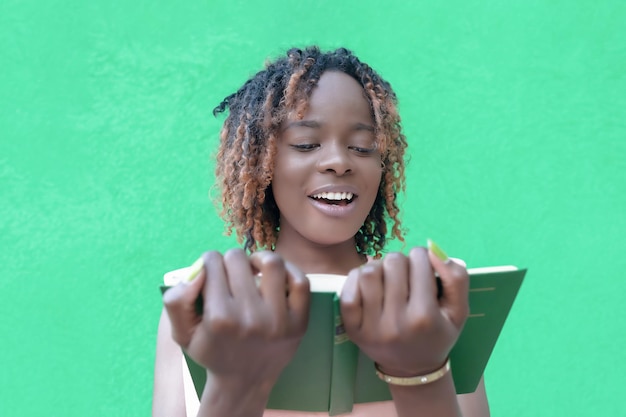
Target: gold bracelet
{"points": [[414, 380]]}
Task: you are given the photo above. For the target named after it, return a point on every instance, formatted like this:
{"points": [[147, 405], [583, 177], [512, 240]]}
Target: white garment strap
{"points": [[192, 403]]}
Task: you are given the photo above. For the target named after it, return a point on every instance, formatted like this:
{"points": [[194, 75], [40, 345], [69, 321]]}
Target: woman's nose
{"points": [[334, 158]]}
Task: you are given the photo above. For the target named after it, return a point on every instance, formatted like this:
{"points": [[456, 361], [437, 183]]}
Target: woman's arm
{"points": [[434, 399], [437, 399], [168, 396], [475, 404]]}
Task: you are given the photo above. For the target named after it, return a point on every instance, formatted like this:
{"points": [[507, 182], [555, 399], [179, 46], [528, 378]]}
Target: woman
{"points": [[310, 162]]}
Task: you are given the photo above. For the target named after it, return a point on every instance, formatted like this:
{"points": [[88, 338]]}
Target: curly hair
{"points": [[245, 158]]}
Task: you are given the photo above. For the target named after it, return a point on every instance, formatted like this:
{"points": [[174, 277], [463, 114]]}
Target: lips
{"points": [[334, 200], [334, 194]]}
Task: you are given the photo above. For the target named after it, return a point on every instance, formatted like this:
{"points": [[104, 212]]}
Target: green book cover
{"points": [[343, 367], [329, 373], [305, 383]]}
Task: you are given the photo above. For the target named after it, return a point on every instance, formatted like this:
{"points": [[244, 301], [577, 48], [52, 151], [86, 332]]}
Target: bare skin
{"points": [[246, 336]]}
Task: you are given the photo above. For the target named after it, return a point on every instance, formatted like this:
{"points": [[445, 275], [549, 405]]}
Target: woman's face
{"points": [[327, 170]]}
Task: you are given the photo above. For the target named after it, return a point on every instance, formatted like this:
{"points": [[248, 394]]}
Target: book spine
{"points": [[344, 364]]}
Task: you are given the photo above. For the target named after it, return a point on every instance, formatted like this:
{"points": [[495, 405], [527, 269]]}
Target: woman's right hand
{"points": [[247, 333]]}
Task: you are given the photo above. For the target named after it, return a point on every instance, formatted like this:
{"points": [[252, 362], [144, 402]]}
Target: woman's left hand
{"points": [[391, 310]]}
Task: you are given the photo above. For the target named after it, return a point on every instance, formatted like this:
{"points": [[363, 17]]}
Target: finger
{"points": [[185, 291], [180, 305], [459, 261], [299, 295], [423, 287], [217, 293], [273, 282], [372, 292], [396, 283], [351, 304], [240, 276], [454, 301]]}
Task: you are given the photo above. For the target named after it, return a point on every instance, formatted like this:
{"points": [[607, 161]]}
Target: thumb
{"points": [[454, 300], [181, 304]]}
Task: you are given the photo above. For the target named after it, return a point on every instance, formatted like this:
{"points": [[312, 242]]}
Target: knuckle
{"points": [[301, 283], [210, 257], [459, 273], [253, 331], [394, 257], [459, 278], [349, 306], [173, 298], [459, 262], [395, 262], [272, 260], [222, 325], [389, 338], [370, 270], [418, 252], [295, 276], [233, 254], [170, 300], [421, 324]]}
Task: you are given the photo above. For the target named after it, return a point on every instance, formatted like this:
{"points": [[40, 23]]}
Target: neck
{"points": [[313, 258]]}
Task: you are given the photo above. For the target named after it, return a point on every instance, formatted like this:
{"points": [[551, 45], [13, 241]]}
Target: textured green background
{"points": [[516, 116]]}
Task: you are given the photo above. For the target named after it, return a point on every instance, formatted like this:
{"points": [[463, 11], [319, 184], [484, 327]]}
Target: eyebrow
{"points": [[303, 123], [312, 124]]}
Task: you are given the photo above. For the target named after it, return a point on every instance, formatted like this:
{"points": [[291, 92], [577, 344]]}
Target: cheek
{"points": [[286, 185], [285, 175], [285, 164], [375, 173], [376, 183]]}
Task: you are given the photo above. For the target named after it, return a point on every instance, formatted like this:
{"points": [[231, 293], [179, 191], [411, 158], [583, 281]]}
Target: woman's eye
{"points": [[363, 151], [303, 147]]}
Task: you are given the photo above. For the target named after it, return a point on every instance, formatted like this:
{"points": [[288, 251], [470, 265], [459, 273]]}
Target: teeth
{"points": [[334, 196]]}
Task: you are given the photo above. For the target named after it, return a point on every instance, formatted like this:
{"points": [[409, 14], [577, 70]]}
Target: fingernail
{"points": [[439, 253], [194, 270]]}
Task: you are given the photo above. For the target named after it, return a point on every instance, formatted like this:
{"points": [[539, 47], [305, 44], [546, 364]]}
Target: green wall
{"points": [[515, 112]]}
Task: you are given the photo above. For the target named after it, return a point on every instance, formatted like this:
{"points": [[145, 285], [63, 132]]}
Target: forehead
{"points": [[338, 95]]}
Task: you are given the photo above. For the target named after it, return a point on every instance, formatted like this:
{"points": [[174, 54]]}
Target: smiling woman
{"points": [[273, 104], [331, 153], [310, 163]]}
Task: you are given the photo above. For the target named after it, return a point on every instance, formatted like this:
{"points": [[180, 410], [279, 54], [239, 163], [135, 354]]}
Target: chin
{"points": [[332, 239]]}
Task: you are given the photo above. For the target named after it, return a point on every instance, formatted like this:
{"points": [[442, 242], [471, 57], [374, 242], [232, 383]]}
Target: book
{"points": [[330, 374]]}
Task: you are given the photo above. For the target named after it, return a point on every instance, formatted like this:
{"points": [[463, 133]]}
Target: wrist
{"points": [[436, 398], [398, 378], [412, 372], [234, 397]]}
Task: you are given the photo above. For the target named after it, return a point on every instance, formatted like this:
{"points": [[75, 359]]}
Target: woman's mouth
{"points": [[336, 199]]}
